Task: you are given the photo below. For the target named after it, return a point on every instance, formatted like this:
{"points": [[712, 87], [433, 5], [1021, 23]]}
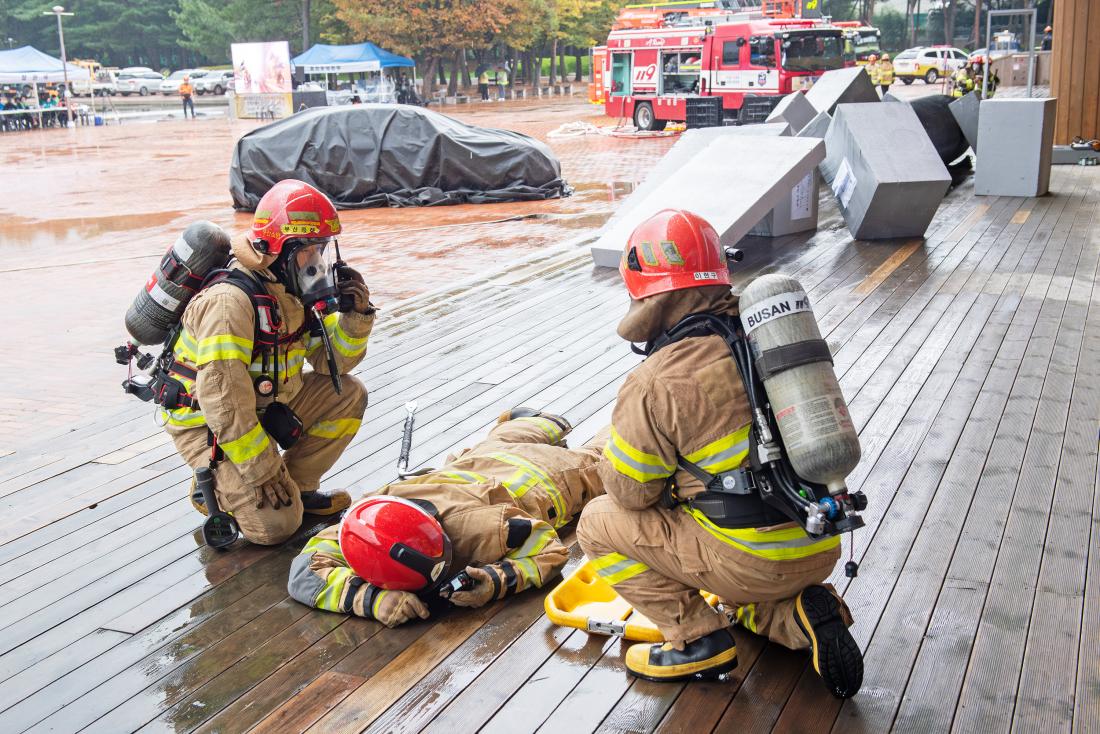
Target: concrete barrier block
{"points": [[841, 86], [817, 127], [794, 110], [965, 112], [1015, 146], [794, 213], [887, 177], [732, 180]]}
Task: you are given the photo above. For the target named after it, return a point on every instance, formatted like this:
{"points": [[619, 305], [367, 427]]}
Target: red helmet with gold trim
{"points": [[292, 209]]}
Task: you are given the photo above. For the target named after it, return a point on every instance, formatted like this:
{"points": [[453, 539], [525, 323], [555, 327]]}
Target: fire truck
{"points": [[860, 41], [748, 59]]}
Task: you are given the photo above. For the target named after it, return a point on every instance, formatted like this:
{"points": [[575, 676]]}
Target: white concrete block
{"points": [[794, 110], [733, 182], [841, 86], [1015, 146], [886, 174], [965, 112], [817, 127]]}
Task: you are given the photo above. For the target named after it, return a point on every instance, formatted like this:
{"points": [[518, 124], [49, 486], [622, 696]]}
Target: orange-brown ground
{"points": [[85, 214]]}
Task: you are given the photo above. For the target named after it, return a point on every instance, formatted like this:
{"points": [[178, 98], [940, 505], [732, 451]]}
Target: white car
{"points": [[139, 80], [215, 82], [929, 63], [171, 85]]}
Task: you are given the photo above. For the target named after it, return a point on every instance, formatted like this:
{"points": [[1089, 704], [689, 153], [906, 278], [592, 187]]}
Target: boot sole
{"points": [[836, 655], [716, 668]]}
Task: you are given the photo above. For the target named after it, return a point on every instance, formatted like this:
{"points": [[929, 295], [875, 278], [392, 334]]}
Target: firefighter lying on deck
{"points": [[240, 366], [687, 401], [492, 511]]}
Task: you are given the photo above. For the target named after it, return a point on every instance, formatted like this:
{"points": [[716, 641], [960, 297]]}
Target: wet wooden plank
{"points": [[302, 709]]}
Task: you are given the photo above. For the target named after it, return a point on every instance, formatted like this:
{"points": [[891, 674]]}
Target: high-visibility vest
{"points": [[885, 72]]}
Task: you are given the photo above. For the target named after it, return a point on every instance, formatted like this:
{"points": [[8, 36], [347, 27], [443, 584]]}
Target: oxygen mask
{"points": [[309, 274]]}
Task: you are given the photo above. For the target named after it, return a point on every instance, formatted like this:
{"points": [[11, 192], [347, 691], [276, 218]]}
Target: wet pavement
{"points": [[87, 212]]}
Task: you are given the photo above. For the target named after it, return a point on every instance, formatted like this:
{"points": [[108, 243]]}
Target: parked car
{"points": [[139, 80], [171, 85], [215, 82], [928, 63], [104, 84]]}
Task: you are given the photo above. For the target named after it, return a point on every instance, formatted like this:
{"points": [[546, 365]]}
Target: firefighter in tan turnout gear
{"points": [[687, 402], [493, 512], [239, 369]]}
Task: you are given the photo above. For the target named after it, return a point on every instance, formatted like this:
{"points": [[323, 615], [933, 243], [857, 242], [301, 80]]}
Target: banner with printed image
{"points": [[261, 68]]}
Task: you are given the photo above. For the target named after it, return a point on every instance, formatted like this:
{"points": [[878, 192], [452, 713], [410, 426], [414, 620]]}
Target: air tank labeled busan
{"points": [[795, 366]]}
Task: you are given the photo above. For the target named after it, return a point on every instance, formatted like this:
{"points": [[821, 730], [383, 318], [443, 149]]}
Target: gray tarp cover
{"points": [[393, 155]]}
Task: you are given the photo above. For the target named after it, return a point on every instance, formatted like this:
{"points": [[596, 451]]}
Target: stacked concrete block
{"points": [[884, 171], [817, 127], [965, 111], [842, 86], [1015, 145], [794, 213], [733, 182], [793, 110]]}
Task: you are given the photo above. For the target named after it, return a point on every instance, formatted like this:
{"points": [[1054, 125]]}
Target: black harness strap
{"points": [[780, 359]]}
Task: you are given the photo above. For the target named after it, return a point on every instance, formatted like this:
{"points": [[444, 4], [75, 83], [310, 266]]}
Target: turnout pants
{"points": [[329, 423], [659, 559]]}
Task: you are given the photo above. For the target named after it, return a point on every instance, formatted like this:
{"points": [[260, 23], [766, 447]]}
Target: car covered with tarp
{"points": [[377, 155]]}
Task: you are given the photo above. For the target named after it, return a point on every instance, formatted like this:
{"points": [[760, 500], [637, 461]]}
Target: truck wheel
{"points": [[907, 82], [644, 119], [931, 77]]}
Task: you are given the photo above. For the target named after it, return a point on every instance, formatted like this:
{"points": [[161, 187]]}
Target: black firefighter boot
{"points": [[836, 655], [709, 658]]}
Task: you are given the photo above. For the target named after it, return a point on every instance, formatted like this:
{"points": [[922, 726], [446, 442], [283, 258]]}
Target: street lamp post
{"points": [[11, 41], [59, 11]]}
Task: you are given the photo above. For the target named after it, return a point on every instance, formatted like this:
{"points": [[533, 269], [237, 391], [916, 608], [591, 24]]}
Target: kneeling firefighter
{"points": [[482, 528], [232, 378], [707, 487]]}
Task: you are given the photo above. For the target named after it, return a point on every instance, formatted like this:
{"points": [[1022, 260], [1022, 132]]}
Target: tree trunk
{"points": [[305, 24], [579, 76], [452, 85], [428, 80], [464, 68], [562, 67], [441, 71], [553, 62], [948, 21], [976, 32]]}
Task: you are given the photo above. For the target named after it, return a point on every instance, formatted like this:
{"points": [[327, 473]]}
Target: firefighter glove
{"points": [[353, 285], [482, 592], [392, 608], [276, 491]]}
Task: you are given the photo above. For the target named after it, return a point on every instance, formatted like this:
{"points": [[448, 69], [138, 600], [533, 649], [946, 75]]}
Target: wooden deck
{"points": [[971, 362]]}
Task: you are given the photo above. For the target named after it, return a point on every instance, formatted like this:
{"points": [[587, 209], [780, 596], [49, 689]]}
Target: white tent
{"points": [[28, 65]]}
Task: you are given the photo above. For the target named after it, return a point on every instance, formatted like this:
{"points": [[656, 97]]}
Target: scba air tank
{"points": [[793, 361], [203, 246]]}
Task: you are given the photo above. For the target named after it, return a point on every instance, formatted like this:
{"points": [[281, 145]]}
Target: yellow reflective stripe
{"points": [[377, 600], [335, 429], [329, 598], [185, 417], [464, 476], [323, 545], [223, 346], [540, 537], [343, 342], [519, 483], [186, 347], [635, 463], [529, 570], [543, 478], [775, 545], [290, 364], [724, 454], [248, 446], [550, 428], [614, 568], [746, 617]]}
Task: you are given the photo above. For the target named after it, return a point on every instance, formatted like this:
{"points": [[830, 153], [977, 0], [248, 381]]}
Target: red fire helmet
{"points": [[394, 543], [672, 250], [292, 209]]}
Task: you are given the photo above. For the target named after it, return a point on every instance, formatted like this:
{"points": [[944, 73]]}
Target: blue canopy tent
{"points": [[349, 59], [28, 65]]}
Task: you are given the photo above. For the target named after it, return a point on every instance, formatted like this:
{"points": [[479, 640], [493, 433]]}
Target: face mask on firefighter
{"points": [[309, 274]]}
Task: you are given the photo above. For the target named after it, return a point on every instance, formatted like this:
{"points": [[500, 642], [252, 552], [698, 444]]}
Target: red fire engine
{"points": [[749, 60]]}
